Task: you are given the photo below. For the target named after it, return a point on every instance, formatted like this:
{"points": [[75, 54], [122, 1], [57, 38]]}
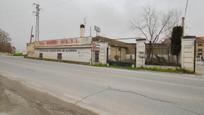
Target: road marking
{"points": [[73, 98]]}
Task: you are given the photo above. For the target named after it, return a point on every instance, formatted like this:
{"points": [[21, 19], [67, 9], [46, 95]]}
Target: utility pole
{"points": [[31, 35], [37, 15], [184, 17]]}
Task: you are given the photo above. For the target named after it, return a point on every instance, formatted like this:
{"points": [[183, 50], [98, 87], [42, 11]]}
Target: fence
{"points": [[122, 62], [121, 56], [160, 54], [199, 50]]}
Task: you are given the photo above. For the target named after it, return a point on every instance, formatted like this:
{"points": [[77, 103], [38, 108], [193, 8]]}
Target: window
{"points": [[59, 56], [96, 56], [200, 54], [41, 55], [200, 50], [200, 44]]}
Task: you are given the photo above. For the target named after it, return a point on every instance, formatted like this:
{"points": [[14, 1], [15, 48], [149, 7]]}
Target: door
{"points": [[59, 56], [41, 55], [96, 56]]}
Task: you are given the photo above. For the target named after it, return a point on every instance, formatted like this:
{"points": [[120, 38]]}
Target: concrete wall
{"points": [[140, 55], [188, 53], [103, 53], [76, 55], [30, 50]]}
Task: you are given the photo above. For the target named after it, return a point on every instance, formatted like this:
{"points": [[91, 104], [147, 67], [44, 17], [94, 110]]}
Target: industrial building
{"points": [[88, 50]]}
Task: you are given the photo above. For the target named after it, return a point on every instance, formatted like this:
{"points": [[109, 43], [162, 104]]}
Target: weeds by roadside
{"points": [[18, 54], [157, 69], [171, 70]]}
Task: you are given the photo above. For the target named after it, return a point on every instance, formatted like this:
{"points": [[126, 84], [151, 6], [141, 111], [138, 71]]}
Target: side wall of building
{"points": [[75, 55], [31, 50]]}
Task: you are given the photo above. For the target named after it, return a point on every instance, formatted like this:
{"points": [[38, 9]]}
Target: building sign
{"points": [[58, 50], [141, 54], [97, 29], [73, 41]]}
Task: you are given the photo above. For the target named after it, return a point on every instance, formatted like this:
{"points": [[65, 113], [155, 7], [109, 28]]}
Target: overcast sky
{"points": [[61, 18]]}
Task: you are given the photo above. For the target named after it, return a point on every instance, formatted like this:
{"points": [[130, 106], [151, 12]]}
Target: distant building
{"points": [[200, 48], [166, 41], [83, 49]]}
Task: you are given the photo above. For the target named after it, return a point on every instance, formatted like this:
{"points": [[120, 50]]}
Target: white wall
{"points": [[79, 55], [82, 55], [103, 53], [188, 54], [140, 56]]}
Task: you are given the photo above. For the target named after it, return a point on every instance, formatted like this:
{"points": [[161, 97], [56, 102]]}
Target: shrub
{"points": [[18, 54]]}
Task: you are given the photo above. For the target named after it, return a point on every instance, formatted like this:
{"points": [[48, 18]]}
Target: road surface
{"points": [[111, 91]]}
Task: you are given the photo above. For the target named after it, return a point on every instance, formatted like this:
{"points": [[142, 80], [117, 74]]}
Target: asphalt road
{"points": [[111, 91]]}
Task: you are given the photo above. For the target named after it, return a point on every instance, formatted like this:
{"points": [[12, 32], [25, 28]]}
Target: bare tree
{"points": [[154, 24], [5, 42]]}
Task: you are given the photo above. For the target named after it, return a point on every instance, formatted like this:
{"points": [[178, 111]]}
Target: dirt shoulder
{"points": [[17, 99]]}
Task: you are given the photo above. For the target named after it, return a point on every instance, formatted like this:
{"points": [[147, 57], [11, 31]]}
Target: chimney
{"points": [[82, 30]]}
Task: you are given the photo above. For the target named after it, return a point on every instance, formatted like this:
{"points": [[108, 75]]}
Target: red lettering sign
{"points": [[59, 42], [52, 42]]}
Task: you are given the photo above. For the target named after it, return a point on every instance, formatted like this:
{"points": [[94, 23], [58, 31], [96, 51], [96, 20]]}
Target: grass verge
{"points": [[171, 70], [18, 54], [156, 69]]}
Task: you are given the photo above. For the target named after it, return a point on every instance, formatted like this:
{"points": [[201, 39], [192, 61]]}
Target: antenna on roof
{"points": [[84, 20], [97, 29]]}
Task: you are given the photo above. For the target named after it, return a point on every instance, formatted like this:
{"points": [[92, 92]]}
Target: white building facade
{"points": [[80, 50]]}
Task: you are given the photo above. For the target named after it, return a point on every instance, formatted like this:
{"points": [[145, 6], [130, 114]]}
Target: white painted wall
{"points": [[80, 55], [140, 56], [103, 53], [187, 59]]}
